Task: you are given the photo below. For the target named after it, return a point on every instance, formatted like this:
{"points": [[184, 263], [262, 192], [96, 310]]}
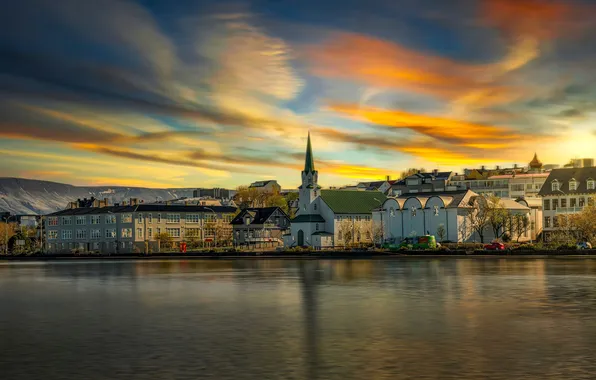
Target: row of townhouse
{"points": [[133, 228]]}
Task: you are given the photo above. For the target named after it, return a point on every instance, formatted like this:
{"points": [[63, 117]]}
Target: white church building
{"points": [[328, 218]]}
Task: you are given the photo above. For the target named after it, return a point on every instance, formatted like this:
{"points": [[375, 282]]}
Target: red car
{"points": [[495, 246]]}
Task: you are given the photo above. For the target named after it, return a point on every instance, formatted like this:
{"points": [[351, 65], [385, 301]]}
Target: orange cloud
{"points": [[437, 127]]}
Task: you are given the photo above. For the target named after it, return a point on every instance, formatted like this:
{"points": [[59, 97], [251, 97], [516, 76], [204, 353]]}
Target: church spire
{"points": [[309, 162]]}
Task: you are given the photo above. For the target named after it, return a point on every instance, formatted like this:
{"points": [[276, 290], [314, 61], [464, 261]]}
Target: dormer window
{"points": [[555, 185], [247, 220], [573, 184], [591, 184]]}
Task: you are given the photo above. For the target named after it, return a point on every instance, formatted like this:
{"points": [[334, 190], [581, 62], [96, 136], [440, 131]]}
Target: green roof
{"points": [[308, 218], [352, 202], [309, 162], [324, 233]]}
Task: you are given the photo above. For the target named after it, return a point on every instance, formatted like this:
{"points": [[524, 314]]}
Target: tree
{"points": [[246, 197], [344, 229], [410, 171], [520, 224], [478, 216], [164, 239], [584, 222], [498, 215], [7, 231], [373, 231], [441, 232]]}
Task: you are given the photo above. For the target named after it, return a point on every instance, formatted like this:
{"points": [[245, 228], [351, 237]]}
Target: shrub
{"points": [[567, 247]]}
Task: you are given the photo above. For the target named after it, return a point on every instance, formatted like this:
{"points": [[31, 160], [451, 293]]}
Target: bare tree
{"points": [[478, 216], [345, 231], [441, 232], [520, 224], [498, 215]]}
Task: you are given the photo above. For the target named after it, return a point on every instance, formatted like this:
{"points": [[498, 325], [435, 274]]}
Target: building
{"points": [[565, 192], [215, 193], [496, 185], [260, 226], [326, 218], [382, 186], [428, 213], [133, 228], [580, 163], [523, 185], [268, 186], [536, 216], [434, 181]]}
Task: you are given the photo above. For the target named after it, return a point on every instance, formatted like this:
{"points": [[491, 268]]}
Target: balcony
{"points": [[569, 210]]}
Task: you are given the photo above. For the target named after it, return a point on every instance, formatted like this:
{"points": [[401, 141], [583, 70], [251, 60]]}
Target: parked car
{"points": [[495, 246], [584, 245]]}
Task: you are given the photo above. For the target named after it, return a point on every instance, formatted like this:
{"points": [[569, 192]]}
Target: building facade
{"points": [[134, 228], [566, 191], [268, 186], [328, 218], [260, 227], [430, 213], [434, 181]]}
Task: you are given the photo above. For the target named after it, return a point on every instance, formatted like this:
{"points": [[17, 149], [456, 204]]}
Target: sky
{"points": [[223, 93]]}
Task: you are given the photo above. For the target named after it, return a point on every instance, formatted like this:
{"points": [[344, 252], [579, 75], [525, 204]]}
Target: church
{"points": [[329, 218]]}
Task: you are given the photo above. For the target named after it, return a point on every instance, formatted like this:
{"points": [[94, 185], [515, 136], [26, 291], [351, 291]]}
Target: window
{"points": [[140, 218], [591, 184], [555, 221], [66, 234], [110, 233], [81, 220], [555, 204], [316, 226], [149, 233], [315, 194], [547, 204], [139, 232], [95, 234], [126, 218], [81, 234], [173, 218], [518, 187], [150, 218], [52, 234], [529, 186], [582, 202], [66, 220], [314, 207], [564, 202], [413, 211], [572, 202], [573, 185], [110, 219], [95, 219], [192, 218], [193, 232], [158, 218], [555, 185], [53, 221], [158, 231], [210, 218], [126, 233], [173, 232], [547, 221]]}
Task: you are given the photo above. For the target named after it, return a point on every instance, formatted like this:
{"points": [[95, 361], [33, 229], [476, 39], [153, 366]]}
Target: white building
{"points": [[424, 213], [326, 218], [565, 192]]}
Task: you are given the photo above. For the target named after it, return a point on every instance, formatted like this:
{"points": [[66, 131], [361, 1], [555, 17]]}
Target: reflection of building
{"points": [[565, 192], [133, 227], [263, 226], [329, 217]]}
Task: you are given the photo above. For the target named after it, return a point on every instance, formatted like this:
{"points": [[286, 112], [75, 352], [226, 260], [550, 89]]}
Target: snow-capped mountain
{"points": [[29, 196]]}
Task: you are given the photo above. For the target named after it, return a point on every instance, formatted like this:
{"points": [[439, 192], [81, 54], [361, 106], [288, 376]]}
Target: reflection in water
{"points": [[335, 319]]}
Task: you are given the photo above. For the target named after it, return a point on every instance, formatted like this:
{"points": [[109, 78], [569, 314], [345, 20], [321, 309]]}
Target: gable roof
{"points": [[258, 215], [451, 199], [262, 183], [308, 218], [352, 202], [564, 176]]}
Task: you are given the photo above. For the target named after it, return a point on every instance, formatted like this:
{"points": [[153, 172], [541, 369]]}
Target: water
{"points": [[282, 319]]}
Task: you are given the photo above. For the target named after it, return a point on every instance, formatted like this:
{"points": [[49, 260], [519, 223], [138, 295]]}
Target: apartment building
{"points": [[420, 182], [496, 185], [133, 228], [566, 191]]}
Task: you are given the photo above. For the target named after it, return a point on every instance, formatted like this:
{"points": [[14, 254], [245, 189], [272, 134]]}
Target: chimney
{"points": [[498, 167], [387, 178], [483, 167], [514, 166], [435, 172], [133, 201], [105, 202]]}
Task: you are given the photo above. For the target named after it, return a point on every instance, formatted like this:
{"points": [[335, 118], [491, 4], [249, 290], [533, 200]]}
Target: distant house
{"points": [[260, 226], [434, 181], [268, 186]]}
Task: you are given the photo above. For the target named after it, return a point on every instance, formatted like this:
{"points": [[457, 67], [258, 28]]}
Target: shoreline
{"points": [[306, 256]]}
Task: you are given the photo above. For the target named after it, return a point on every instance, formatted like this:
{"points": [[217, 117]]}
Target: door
{"points": [[300, 238]]}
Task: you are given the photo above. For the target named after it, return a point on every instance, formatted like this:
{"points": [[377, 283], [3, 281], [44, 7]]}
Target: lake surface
{"points": [[284, 319]]}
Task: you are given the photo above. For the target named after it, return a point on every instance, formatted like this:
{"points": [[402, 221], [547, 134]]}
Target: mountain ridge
{"points": [[33, 196]]}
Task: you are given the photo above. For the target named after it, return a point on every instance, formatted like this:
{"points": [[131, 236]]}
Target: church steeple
{"points": [[309, 162]]}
